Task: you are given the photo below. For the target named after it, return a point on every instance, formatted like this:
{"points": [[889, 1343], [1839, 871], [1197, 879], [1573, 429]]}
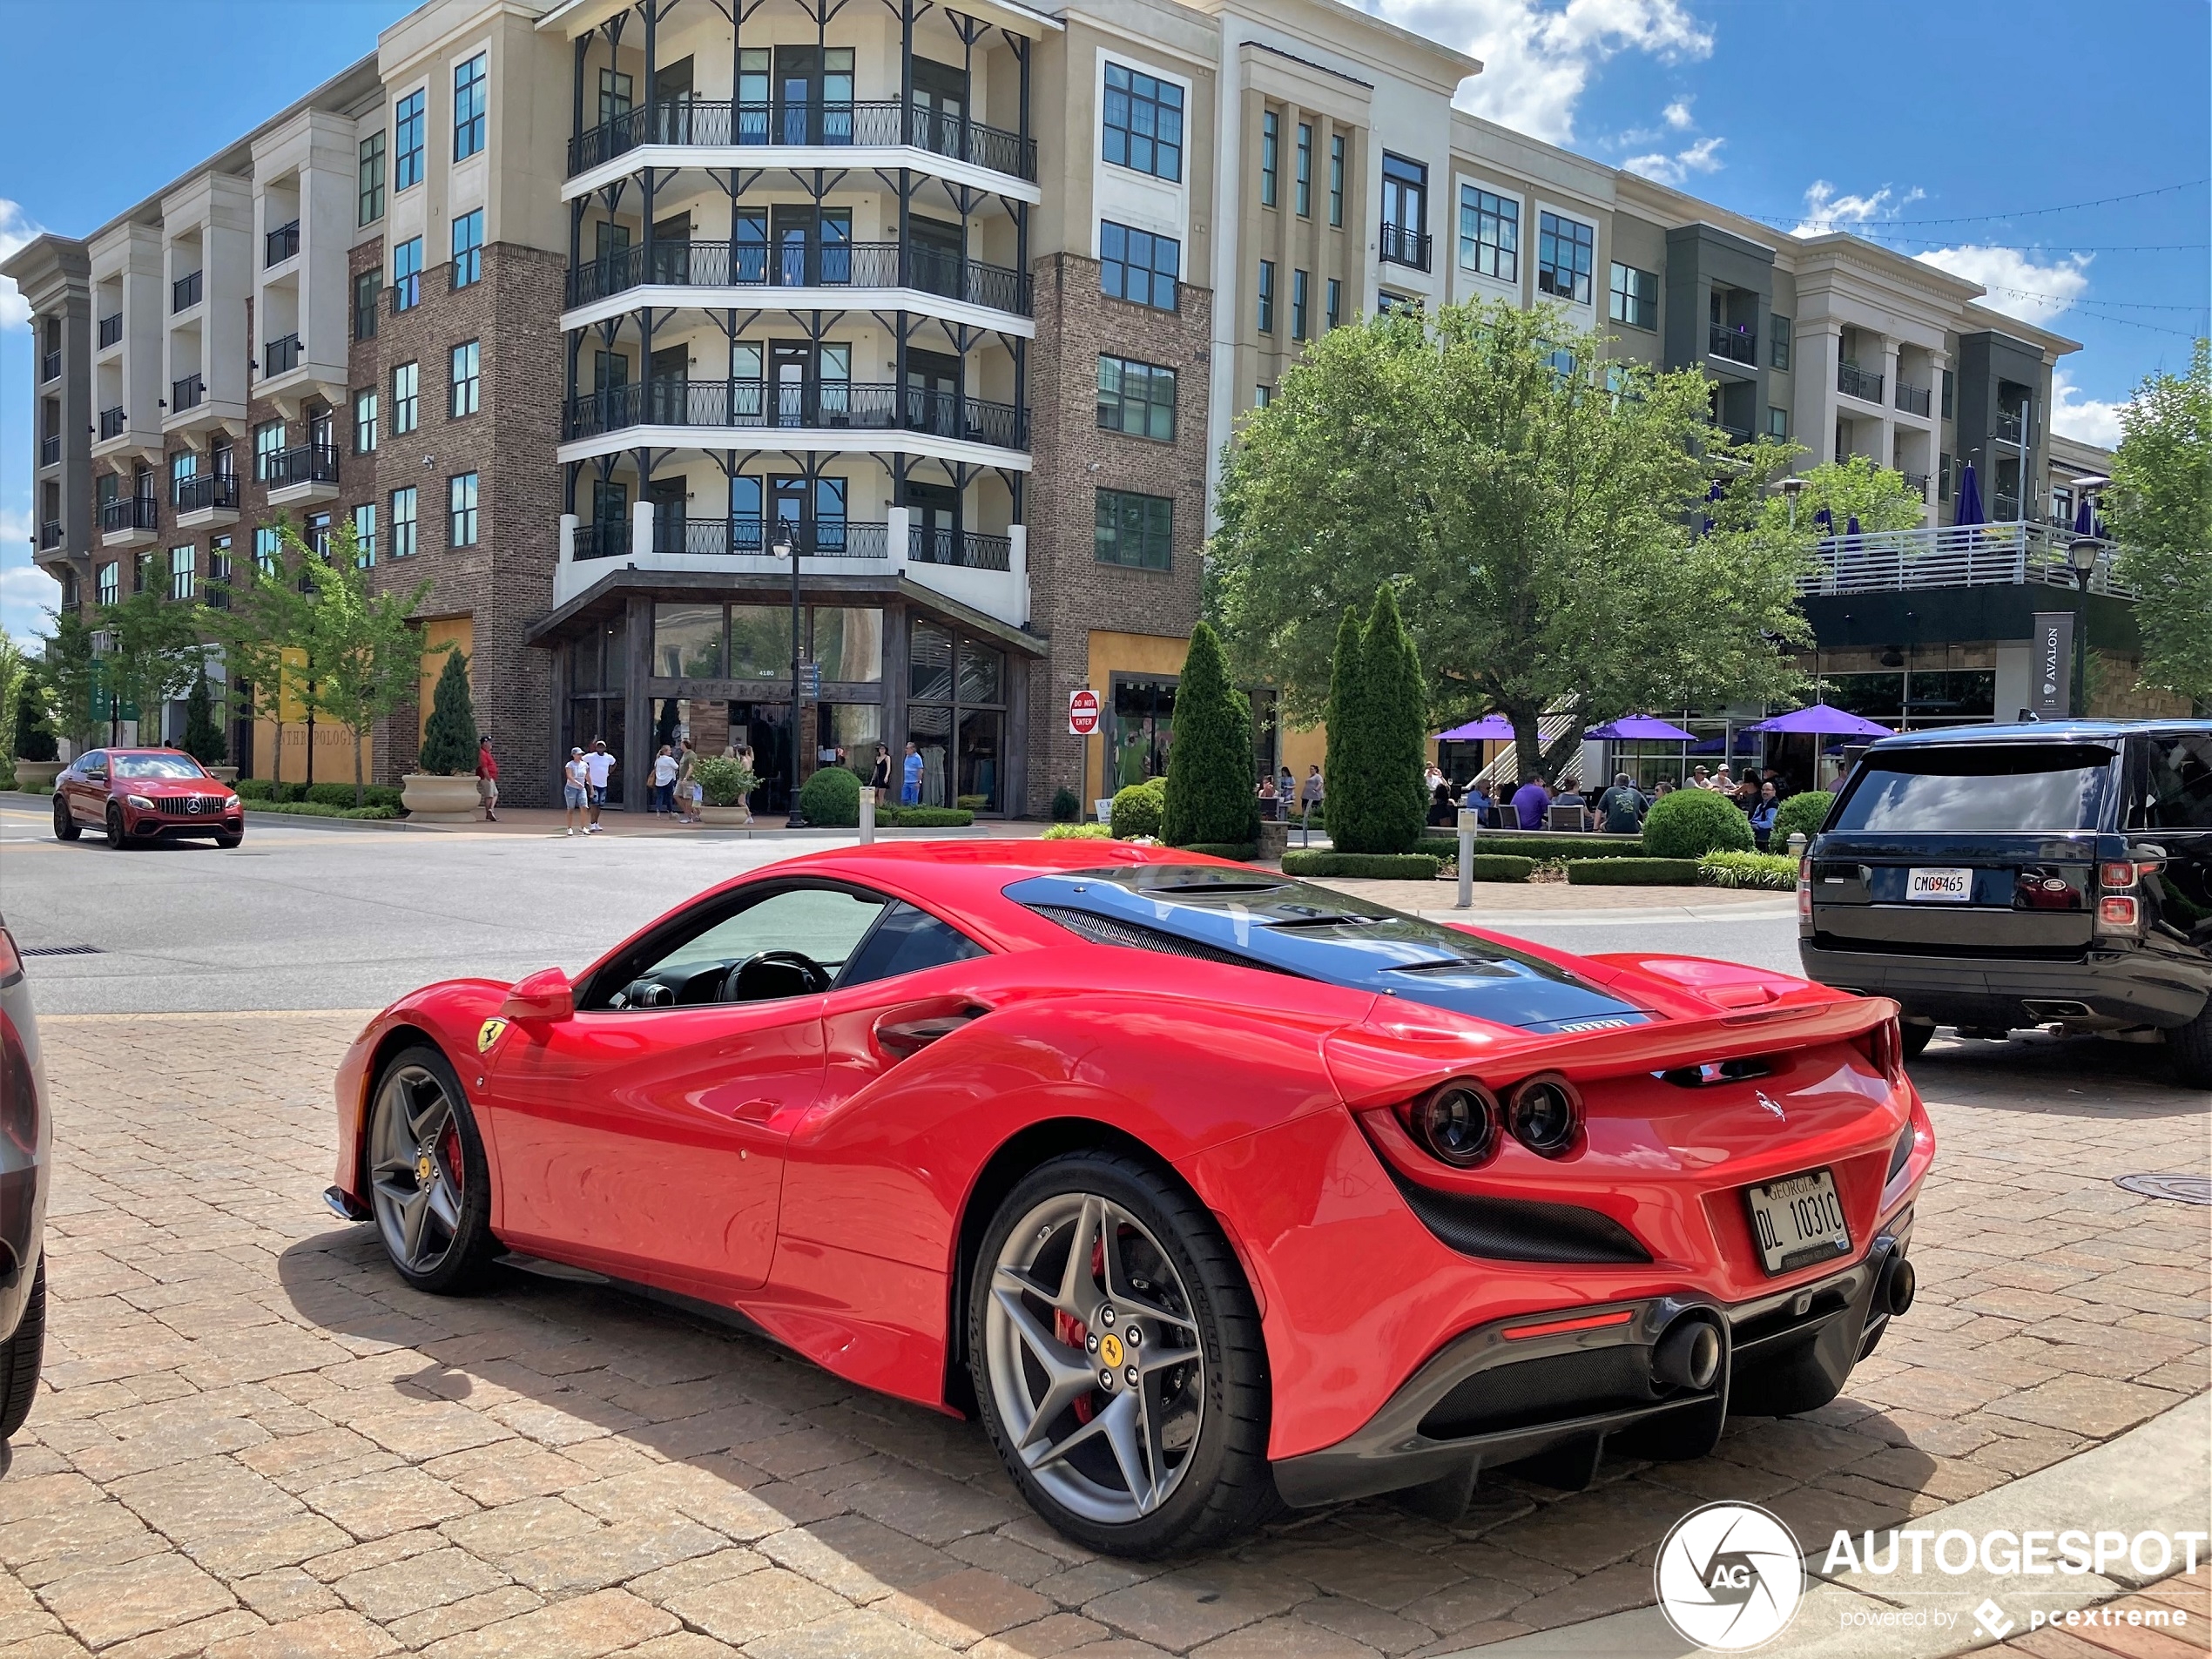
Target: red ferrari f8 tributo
{"points": [[1203, 1187]]}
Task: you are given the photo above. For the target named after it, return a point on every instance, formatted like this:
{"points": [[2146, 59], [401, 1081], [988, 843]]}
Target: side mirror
{"points": [[545, 997]]}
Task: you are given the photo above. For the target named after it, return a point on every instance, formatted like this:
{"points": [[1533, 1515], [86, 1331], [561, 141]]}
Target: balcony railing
{"points": [[111, 330], [1402, 245], [49, 534], [2008, 427], [1853, 381], [130, 513], [110, 423], [207, 491], [969, 549], [1738, 345], [1917, 483], [183, 293], [50, 449], [829, 265], [49, 366], [1913, 400], [304, 463], [876, 123], [1960, 556], [281, 243], [187, 394], [281, 356], [807, 404], [749, 538]]}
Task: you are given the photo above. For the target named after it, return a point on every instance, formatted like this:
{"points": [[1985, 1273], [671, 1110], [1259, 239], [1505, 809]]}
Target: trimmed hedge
{"points": [[1369, 866], [831, 798], [342, 795], [1499, 867], [1633, 873], [1079, 833], [1544, 849], [1801, 814], [316, 809], [1690, 823], [1772, 872], [918, 817], [1138, 808], [1235, 852]]}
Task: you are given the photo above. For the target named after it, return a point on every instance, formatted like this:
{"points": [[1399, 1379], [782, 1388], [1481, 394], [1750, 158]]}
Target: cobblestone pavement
{"points": [[254, 1441]]}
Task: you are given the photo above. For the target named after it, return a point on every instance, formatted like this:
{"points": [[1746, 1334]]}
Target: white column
{"points": [[1017, 562], [567, 538], [1887, 456], [898, 537], [641, 531]]}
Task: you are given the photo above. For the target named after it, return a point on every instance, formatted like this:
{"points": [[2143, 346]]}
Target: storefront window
{"points": [[929, 663], [957, 723], [846, 735], [687, 642], [1144, 727], [760, 643], [983, 673], [848, 643], [671, 722]]}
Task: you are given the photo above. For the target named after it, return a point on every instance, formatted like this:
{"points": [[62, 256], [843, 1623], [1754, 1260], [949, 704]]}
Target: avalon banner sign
{"points": [[2051, 665]]}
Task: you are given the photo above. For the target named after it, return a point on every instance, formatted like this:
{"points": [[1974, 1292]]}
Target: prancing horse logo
{"points": [[488, 1033], [1767, 1101]]}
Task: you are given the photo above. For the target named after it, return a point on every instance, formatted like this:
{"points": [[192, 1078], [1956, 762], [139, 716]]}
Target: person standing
{"points": [[879, 775], [1309, 791], [664, 781], [910, 769], [575, 788], [1762, 811], [688, 793], [599, 765], [1620, 809], [487, 779]]}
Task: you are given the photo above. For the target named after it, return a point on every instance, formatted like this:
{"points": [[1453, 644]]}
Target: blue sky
{"points": [[1936, 126]]}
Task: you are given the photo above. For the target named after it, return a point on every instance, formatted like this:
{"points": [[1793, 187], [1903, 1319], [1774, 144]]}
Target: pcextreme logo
{"points": [[1729, 1577]]}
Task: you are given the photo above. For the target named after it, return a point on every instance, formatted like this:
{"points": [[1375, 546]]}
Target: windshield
{"points": [[1979, 789], [157, 766]]}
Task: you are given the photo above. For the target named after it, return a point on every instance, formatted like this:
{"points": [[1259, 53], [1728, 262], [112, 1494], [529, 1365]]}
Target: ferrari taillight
{"points": [[10, 958], [1884, 1047], [1456, 1122]]}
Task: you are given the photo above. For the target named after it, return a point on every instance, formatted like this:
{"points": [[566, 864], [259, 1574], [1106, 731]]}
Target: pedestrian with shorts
{"points": [[910, 789], [687, 783], [575, 788], [487, 779], [598, 768]]}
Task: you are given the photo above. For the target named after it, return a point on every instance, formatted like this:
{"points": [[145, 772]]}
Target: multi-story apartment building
{"points": [[653, 339]]}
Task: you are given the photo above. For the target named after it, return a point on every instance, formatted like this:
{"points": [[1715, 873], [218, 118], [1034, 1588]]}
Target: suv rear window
{"points": [[1979, 789]]}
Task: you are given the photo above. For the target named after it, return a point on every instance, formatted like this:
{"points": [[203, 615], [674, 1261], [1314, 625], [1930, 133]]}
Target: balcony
{"points": [[823, 409], [281, 356], [281, 243], [1917, 482], [876, 124], [307, 472], [50, 535], [834, 265], [187, 394], [1960, 555], [183, 293], [206, 502], [1854, 381], [129, 521], [110, 423], [50, 449], [1402, 245], [962, 549], [110, 331], [1733, 343], [2007, 427], [744, 537], [49, 366], [1914, 399]]}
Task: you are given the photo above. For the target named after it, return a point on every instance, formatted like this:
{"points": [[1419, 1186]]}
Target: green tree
{"points": [[1395, 718], [1855, 488], [32, 738], [1209, 764], [203, 730], [153, 651], [1540, 512], [72, 675], [2160, 510], [1342, 764], [266, 627], [450, 737], [364, 658]]}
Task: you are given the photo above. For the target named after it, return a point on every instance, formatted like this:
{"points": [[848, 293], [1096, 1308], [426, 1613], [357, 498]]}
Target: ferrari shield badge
{"points": [[487, 1034]]}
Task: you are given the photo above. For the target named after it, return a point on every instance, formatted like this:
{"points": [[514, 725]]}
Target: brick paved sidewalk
{"points": [[253, 1441]]}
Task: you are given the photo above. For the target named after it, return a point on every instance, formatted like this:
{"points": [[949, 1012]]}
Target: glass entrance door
{"points": [[939, 107], [814, 94]]}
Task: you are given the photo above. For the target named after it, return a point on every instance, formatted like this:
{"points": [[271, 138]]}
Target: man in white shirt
{"points": [[597, 765]]}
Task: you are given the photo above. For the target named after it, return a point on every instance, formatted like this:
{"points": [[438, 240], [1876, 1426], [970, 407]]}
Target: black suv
{"points": [[1992, 878]]}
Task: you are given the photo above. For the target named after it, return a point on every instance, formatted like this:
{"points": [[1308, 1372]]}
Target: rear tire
{"points": [[1916, 1037], [66, 827], [117, 837], [21, 1356], [2191, 1047]]}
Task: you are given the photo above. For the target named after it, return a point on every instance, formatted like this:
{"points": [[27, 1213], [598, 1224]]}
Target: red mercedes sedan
{"points": [[1197, 1183], [141, 795]]}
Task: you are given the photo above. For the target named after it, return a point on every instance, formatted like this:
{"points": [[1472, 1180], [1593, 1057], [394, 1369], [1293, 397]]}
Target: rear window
{"points": [[1979, 789]]}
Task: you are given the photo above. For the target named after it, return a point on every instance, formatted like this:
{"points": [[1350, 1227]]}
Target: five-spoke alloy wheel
{"points": [[428, 1183]]}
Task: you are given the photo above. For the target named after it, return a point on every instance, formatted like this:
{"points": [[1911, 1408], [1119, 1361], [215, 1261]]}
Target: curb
{"points": [[1781, 909]]}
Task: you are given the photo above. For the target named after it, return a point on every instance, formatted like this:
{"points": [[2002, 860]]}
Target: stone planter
{"points": [[37, 772], [734, 817], [223, 774], [432, 800], [1274, 840]]}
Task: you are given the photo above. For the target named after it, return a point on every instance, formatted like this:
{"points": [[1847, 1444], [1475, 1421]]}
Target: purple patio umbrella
{"points": [[1825, 522], [2084, 518], [1640, 728], [1969, 497], [1822, 721], [1491, 728]]}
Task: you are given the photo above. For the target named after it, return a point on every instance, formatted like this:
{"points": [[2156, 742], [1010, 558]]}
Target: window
{"points": [[1137, 266], [469, 248], [365, 423], [1336, 301], [1566, 254], [184, 465], [366, 287], [461, 510], [372, 180], [1948, 387], [1270, 145], [826, 925], [1298, 284], [1777, 422], [404, 522], [465, 379], [1634, 296], [406, 275], [1134, 529], [1489, 235], [1404, 210], [1144, 122], [219, 559], [1303, 198], [614, 91], [469, 108], [180, 572], [1267, 296], [1136, 398], [268, 439], [1263, 395], [1982, 788], [905, 941], [405, 380], [268, 542], [109, 583], [365, 534], [1335, 178], [1779, 332], [1943, 477], [406, 140], [2176, 792]]}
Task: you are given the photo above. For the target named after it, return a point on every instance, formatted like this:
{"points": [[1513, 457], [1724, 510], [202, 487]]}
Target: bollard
{"points": [[1797, 844], [1467, 819], [868, 817]]}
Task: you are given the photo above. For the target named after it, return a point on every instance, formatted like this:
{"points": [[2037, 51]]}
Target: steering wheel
{"points": [[767, 974]]}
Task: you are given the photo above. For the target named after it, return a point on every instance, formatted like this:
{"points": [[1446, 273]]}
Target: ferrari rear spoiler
{"points": [[1399, 1049]]}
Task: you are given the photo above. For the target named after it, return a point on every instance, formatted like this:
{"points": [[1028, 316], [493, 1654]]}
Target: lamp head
{"points": [[2082, 552], [1793, 487]]}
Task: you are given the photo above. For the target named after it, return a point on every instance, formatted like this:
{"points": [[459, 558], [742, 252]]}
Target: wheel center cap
{"points": [[426, 1168], [1109, 1349]]}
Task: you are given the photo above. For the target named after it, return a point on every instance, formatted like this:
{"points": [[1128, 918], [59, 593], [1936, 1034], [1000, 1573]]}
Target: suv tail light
{"points": [[1805, 895], [2120, 905]]}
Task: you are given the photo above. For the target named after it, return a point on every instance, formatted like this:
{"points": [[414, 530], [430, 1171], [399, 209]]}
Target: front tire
{"points": [[117, 837], [21, 1356], [66, 827], [2191, 1047], [430, 1184], [229, 838], [1916, 1036], [1118, 1361]]}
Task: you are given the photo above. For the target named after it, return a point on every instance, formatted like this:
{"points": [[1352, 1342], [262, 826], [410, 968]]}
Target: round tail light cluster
{"points": [[1544, 1113], [1461, 1123]]}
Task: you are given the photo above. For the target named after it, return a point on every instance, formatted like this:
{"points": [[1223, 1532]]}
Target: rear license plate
{"points": [[1799, 1222], [1940, 887]]}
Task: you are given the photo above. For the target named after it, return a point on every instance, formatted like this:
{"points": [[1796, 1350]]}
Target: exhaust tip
{"points": [[1899, 1283], [1687, 1355], [2042, 1010]]}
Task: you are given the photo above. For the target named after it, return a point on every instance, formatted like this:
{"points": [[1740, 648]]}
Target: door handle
{"points": [[903, 1032], [755, 1111]]}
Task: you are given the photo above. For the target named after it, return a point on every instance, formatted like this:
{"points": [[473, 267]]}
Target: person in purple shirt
{"points": [[1530, 802]]}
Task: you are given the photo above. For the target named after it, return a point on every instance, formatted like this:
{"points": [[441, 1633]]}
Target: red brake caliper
{"points": [[449, 1154]]}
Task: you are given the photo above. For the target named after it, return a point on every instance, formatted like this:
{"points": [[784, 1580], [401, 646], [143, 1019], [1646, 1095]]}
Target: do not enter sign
{"points": [[1082, 711]]}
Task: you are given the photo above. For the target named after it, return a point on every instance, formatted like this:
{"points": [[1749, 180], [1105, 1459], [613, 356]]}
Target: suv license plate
{"points": [[1940, 887], [1798, 1222]]}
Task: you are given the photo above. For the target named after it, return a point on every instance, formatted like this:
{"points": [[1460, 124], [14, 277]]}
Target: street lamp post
{"points": [[2082, 553], [787, 548], [1792, 488]]}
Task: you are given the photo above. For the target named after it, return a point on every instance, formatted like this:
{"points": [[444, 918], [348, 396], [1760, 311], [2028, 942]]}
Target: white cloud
{"points": [[2017, 286], [27, 593], [1660, 168], [1677, 115], [1825, 211], [15, 229], [2087, 419], [1538, 55]]}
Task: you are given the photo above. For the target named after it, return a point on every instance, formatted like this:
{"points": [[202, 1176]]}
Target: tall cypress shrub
{"points": [[1342, 781], [203, 732], [449, 740], [1209, 764], [1395, 721]]}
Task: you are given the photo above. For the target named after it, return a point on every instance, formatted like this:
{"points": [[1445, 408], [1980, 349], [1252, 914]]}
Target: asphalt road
{"points": [[308, 915]]}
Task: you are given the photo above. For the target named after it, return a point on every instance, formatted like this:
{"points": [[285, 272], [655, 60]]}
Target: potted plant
{"points": [[442, 787], [36, 754], [725, 784]]}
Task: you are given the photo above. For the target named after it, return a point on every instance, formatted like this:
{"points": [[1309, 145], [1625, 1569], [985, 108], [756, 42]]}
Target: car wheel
{"points": [[1916, 1037], [2191, 1048], [20, 1357], [1118, 1361], [117, 836], [66, 825], [428, 1183], [227, 839]]}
